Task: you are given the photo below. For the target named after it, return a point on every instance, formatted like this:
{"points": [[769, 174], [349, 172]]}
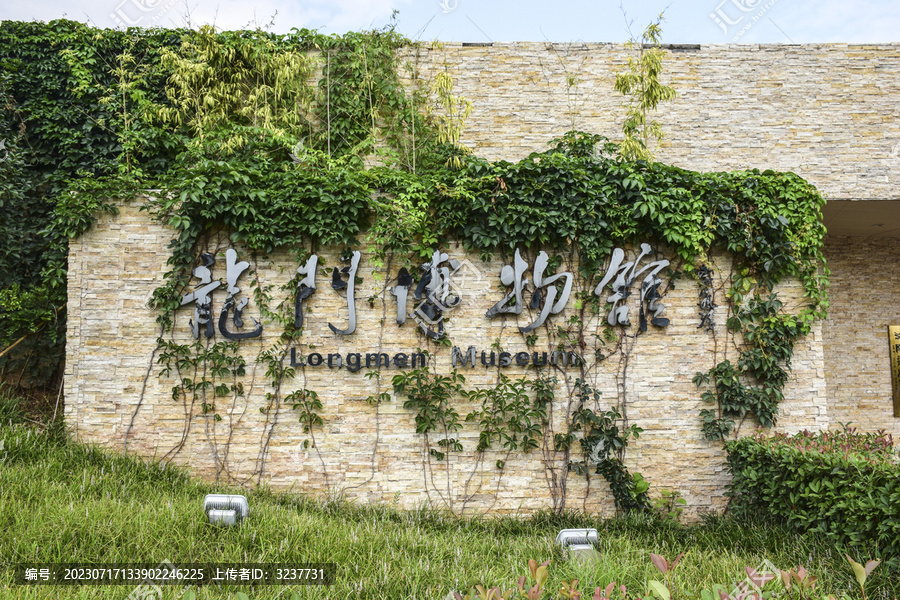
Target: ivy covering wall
{"points": [[303, 140]]}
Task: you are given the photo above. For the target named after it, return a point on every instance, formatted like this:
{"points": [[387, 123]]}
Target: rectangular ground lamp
{"points": [[225, 509]]}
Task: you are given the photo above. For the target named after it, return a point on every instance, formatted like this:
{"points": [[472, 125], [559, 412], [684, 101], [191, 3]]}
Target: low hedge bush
{"points": [[843, 484]]}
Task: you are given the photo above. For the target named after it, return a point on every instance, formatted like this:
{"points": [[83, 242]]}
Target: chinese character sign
{"points": [[201, 296], [511, 276], [338, 283], [305, 288], [552, 303], [233, 270], [401, 291], [894, 346], [622, 275], [435, 293], [202, 299]]}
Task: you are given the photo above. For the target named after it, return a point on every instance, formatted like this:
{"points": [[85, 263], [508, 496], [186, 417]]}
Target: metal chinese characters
{"points": [[514, 276], [201, 296], [203, 307], [434, 295], [549, 307], [707, 302], [622, 276], [511, 276], [305, 288], [401, 292], [350, 285], [233, 270]]}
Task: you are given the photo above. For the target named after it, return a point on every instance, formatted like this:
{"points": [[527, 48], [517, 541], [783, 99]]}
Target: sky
{"points": [[558, 21]]}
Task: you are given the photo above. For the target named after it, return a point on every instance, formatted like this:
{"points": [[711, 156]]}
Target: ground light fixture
{"points": [[226, 509], [579, 543]]}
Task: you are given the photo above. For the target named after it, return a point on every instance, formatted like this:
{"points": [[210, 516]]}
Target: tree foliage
{"points": [[641, 84]]}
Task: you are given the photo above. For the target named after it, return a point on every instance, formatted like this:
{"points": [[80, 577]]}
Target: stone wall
{"points": [[864, 288], [827, 112], [115, 395]]}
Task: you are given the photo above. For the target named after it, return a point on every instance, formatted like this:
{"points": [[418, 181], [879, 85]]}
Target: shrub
{"points": [[843, 484]]}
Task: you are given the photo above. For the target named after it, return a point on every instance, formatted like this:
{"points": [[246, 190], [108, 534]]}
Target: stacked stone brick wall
{"points": [[827, 112], [864, 286], [116, 395]]}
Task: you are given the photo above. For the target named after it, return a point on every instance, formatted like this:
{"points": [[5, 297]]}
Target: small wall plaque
{"points": [[894, 341]]}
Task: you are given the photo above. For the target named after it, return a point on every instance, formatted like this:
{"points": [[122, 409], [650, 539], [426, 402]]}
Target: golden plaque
{"points": [[894, 341]]}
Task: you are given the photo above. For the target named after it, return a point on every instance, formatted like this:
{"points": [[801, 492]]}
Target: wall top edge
{"points": [[673, 46]]}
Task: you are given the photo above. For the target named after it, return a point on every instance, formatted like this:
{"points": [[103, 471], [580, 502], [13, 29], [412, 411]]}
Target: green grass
{"points": [[66, 502]]}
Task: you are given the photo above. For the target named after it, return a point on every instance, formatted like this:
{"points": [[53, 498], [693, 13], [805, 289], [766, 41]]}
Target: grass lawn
{"points": [[65, 502]]}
